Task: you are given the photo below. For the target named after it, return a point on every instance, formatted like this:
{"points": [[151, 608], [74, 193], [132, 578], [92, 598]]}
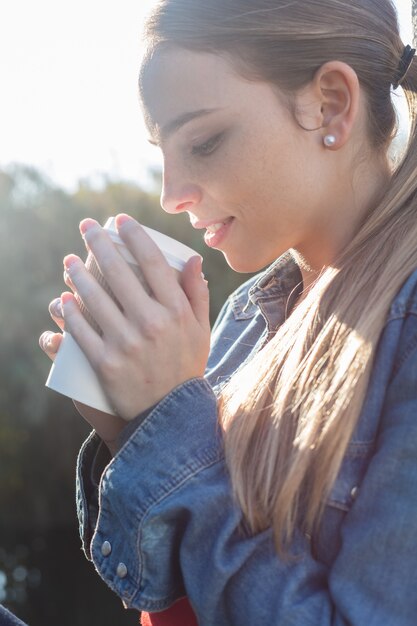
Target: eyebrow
{"points": [[171, 127]]}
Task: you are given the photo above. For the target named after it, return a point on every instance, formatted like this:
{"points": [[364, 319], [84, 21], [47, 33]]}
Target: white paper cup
{"points": [[71, 373]]}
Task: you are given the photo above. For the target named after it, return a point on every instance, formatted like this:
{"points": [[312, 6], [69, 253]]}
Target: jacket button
{"points": [[353, 492], [121, 570], [106, 548]]}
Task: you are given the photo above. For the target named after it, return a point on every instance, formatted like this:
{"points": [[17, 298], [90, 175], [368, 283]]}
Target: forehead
{"points": [[173, 82]]}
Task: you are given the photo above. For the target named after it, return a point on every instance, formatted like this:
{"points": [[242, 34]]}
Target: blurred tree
{"points": [[40, 431]]}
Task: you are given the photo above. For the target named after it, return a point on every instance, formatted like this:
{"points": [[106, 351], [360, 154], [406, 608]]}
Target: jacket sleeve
{"points": [[168, 526], [9, 619]]}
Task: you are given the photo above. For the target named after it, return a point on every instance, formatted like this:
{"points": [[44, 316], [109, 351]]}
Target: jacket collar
{"points": [[274, 292]]}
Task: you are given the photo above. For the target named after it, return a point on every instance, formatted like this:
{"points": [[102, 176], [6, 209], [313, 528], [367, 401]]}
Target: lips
{"points": [[212, 226], [217, 233], [216, 230]]}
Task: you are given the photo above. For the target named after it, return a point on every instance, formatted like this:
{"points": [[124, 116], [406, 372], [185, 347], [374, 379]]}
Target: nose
{"points": [[178, 193]]}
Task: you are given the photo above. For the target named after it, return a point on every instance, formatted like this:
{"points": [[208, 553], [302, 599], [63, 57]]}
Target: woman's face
{"points": [[235, 159]]}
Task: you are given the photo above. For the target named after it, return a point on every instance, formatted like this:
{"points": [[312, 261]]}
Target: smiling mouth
{"points": [[217, 232], [213, 228]]}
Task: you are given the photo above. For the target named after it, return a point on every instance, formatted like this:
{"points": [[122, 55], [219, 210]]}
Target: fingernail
{"points": [[45, 340], [70, 260], [55, 308], [87, 224], [121, 219], [66, 297]]}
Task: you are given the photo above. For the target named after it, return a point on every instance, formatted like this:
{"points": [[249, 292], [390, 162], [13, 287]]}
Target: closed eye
{"points": [[209, 146]]}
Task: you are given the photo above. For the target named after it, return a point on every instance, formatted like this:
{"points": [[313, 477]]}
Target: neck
{"points": [[344, 217], [349, 206]]}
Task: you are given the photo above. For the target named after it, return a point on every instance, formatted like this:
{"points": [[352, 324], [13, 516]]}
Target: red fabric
{"points": [[180, 614]]}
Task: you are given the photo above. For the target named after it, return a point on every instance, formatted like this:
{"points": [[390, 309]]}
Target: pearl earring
{"points": [[329, 141]]}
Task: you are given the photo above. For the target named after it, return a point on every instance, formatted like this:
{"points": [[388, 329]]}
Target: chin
{"points": [[246, 265]]}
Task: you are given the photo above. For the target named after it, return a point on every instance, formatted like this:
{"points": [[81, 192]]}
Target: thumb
{"points": [[196, 290]]}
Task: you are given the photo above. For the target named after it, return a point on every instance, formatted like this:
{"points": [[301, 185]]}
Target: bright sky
{"points": [[68, 101]]}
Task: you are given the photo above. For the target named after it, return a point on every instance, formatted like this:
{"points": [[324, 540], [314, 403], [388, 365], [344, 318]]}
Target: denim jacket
{"points": [[160, 522]]}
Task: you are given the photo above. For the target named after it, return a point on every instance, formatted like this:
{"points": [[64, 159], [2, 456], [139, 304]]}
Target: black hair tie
{"points": [[404, 66]]}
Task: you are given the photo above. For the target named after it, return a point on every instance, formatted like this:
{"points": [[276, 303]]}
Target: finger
{"points": [[99, 304], [50, 342], [196, 290], [118, 273], [158, 274], [75, 323], [55, 310], [68, 281]]}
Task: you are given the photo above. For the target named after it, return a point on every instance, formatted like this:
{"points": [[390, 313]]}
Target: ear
{"points": [[336, 96]]}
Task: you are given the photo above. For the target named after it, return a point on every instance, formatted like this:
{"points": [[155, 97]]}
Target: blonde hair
{"points": [[289, 414]]}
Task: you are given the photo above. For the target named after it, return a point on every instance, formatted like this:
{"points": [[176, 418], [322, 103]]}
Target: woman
{"points": [[278, 486]]}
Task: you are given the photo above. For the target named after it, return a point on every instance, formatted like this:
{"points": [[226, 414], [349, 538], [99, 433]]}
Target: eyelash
{"points": [[208, 147]]}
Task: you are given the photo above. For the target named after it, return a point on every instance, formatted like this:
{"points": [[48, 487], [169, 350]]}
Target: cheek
{"points": [[259, 167], [223, 176], [242, 171], [251, 171]]}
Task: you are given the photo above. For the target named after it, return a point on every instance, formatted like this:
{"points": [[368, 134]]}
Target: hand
{"points": [[109, 426], [156, 342]]}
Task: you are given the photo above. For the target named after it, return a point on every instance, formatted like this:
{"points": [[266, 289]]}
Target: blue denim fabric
{"points": [[8, 619], [162, 522]]}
